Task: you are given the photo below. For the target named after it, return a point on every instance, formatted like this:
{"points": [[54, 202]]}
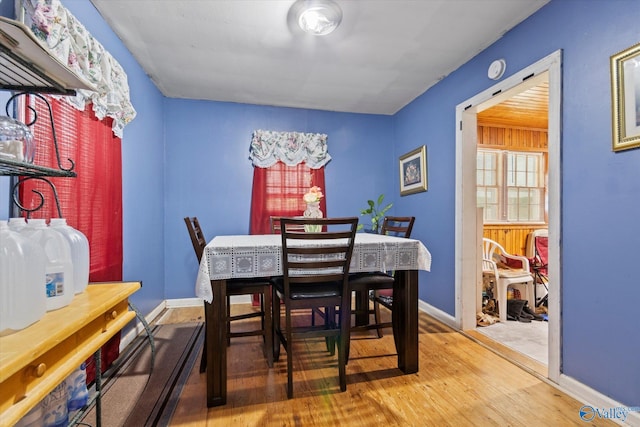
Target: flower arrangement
{"points": [[312, 199], [313, 195]]}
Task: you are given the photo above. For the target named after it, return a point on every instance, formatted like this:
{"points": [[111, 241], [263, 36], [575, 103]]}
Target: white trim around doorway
{"points": [[467, 244]]}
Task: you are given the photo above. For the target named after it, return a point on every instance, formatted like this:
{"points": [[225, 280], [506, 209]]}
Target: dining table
{"points": [[245, 256]]}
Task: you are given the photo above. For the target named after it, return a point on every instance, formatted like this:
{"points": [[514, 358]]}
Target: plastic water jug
{"points": [[17, 224], [34, 418], [79, 252], [77, 392], [22, 277], [59, 269], [56, 413]]}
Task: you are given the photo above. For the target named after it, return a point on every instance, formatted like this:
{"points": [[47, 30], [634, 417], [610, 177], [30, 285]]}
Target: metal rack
{"points": [[27, 68], [13, 168], [27, 171]]}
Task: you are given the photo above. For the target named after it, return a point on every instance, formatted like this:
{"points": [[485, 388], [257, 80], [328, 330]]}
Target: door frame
{"points": [[467, 247]]}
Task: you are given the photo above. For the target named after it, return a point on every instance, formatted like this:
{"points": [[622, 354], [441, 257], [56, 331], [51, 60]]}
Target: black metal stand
{"points": [[540, 278], [29, 171]]}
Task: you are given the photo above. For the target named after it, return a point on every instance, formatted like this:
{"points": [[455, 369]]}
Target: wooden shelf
{"points": [[35, 360], [26, 64]]}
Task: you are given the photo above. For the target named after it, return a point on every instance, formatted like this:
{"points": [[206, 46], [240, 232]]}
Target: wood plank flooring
{"points": [[460, 383]]}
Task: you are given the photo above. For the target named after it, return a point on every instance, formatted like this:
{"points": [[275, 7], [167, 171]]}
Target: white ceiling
{"points": [[384, 54]]}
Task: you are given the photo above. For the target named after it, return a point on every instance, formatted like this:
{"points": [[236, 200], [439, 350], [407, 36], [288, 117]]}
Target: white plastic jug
{"points": [[59, 268], [34, 418], [55, 409], [77, 392], [79, 252], [17, 224], [22, 278]]}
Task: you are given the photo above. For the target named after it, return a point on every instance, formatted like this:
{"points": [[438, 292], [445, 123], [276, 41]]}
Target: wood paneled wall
{"points": [[512, 237], [521, 139]]}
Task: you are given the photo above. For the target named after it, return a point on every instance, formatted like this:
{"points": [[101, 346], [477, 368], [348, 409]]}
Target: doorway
{"points": [[469, 226]]}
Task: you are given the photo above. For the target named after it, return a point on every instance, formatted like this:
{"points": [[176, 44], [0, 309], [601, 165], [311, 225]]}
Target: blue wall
{"points": [[209, 174], [142, 167], [600, 193], [183, 157]]}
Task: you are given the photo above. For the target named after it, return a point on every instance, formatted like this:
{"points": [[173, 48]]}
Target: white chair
{"points": [[496, 261]]}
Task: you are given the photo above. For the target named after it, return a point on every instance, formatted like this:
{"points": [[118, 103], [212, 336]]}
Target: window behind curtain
{"points": [[91, 202], [278, 191]]}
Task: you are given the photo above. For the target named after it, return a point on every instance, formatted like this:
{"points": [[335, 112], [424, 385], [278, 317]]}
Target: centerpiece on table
{"points": [[312, 199]]}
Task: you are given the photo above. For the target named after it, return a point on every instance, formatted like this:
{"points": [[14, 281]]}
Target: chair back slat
{"points": [[328, 261], [275, 225], [197, 236], [399, 226]]}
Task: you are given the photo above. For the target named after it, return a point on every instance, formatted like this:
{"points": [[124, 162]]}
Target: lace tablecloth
{"points": [[227, 257]]}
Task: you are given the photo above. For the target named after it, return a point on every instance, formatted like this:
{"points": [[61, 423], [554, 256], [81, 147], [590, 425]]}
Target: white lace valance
{"points": [[71, 43], [291, 148]]}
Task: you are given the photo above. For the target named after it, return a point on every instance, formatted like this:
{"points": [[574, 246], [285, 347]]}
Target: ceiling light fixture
{"points": [[318, 17]]}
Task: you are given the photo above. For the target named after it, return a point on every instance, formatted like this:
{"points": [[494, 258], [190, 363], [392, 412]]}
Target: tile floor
{"points": [[530, 339]]}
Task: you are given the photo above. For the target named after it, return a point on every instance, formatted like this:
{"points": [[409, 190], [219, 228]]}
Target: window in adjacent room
{"points": [[511, 186]]}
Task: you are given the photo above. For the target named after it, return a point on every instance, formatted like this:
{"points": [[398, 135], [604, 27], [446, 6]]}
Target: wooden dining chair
{"points": [[315, 268], [275, 229], [246, 286], [378, 286], [275, 225]]}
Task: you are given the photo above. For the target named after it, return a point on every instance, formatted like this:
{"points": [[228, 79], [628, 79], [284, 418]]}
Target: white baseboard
{"points": [[197, 302], [241, 299], [183, 302], [438, 314], [595, 400]]}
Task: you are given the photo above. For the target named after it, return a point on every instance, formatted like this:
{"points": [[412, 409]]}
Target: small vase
{"points": [[313, 211]]}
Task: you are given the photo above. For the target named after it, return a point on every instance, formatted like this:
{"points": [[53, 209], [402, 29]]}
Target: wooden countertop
{"points": [[35, 359]]}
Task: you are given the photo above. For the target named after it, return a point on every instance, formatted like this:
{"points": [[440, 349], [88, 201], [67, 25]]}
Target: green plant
{"points": [[376, 212]]}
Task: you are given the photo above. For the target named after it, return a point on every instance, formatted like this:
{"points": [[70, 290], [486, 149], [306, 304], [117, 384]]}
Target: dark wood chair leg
{"points": [[376, 313], [228, 322], [267, 326], [275, 318], [289, 348], [203, 358]]}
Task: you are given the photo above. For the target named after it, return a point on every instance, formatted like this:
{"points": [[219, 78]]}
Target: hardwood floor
{"points": [[460, 382]]}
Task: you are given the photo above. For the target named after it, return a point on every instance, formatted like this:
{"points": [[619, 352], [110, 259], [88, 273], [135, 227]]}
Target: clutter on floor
{"points": [[517, 308]]}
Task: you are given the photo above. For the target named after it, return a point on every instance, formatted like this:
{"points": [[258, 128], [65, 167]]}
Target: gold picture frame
{"points": [[625, 98], [413, 171]]}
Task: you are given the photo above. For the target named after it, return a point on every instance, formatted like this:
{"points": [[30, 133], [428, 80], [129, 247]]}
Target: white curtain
{"points": [[291, 148], [70, 42]]}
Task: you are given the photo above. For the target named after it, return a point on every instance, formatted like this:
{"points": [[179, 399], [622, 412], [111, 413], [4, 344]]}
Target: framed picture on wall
{"points": [[413, 171], [625, 97]]}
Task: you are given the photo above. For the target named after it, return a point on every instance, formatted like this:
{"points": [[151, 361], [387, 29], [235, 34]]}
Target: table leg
{"points": [[216, 342], [362, 308], [405, 319]]}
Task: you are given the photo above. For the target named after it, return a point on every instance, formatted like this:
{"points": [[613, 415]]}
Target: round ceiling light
{"points": [[318, 17]]}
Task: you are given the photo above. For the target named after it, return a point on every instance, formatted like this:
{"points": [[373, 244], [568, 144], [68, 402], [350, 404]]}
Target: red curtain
{"points": [[91, 202], [278, 191]]}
